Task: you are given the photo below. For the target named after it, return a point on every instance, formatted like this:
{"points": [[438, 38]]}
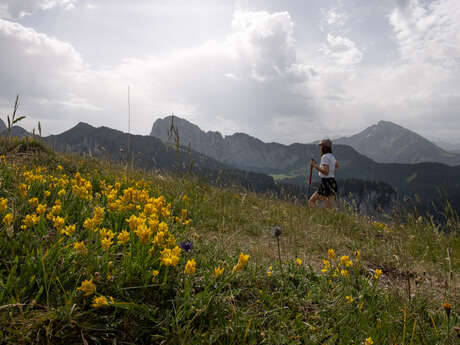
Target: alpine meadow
{"points": [[93, 252], [230, 172]]}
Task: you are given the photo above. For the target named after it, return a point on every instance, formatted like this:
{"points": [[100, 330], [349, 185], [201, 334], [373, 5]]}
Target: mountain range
{"points": [[288, 163], [387, 142], [149, 153], [244, 160]]}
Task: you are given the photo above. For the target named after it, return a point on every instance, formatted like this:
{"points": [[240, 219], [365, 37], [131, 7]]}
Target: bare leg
{"points": [[314, 199], [330, 202]]}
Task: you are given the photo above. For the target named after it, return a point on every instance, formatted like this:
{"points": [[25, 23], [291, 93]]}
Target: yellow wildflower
{"points": [[218, 271], [46, 193], [88, 287], [327, 265], [185, 199], [163, 227], [106, 242], [447, 308], [298, 261], [184, 213], [123, 237], [369, 341], [331, 254], [41, 209], [349, 299], [344, 273], [242, 261], [190, 267], [98, 215], [80, 247], [133, 222], [99, 302], [3, 205], [170, 257], [107, 233], [68, 230], [23, 189], [30, 220], [358, 255], [8, 219], [155, 273], [345, 261], [58, 222], [61, 193], [378, 272], [59, 168], [166, 211], [144, 233], [269, 271], [33, 202]]}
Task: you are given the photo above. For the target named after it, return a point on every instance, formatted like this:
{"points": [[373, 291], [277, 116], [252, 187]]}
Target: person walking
{"points": [[327, 189]]}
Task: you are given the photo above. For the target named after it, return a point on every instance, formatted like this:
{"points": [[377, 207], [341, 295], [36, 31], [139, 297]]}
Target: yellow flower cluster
{"points": [[106, 236], [34, 176], [41, 209], [87, 287], [80, 247], [3, 205], [30, 221], [340, 265], [345, 261], [56, 200], [100, 301], [96, 220], [53, 215], [242, 262], [82, 187], [218, 271], [270, 271], [123, 237], [170, 257], [327, 265], [68, 230], [190, 267], [7, 218]]}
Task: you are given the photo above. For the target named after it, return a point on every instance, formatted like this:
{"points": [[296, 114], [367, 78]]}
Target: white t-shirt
{"points": [[328, 159]]}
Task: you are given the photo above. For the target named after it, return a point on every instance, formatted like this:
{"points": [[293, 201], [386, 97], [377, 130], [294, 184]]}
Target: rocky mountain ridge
{"points": [[387, 142]]}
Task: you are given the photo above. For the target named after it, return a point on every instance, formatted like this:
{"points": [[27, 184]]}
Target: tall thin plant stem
{"points": [[279, 258]]}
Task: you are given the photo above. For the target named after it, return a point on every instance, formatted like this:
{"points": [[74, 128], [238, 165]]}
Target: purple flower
{"points": [[186, 246]]}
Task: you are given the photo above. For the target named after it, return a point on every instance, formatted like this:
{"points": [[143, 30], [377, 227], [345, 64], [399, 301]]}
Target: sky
{"points": [[285, 71]]}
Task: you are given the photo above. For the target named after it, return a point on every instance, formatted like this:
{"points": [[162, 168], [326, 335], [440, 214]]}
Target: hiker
{"points": [[327, 190]]}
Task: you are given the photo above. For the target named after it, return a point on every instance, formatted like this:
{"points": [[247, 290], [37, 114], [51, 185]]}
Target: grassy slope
{"points": [[40, 272]]}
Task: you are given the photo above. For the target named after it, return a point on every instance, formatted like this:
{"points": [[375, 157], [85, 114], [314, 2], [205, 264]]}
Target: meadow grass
{"points": [[92, 253]]}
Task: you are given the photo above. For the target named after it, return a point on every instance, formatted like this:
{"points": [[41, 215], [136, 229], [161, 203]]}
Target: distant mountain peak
{"points": [[388, 142]]}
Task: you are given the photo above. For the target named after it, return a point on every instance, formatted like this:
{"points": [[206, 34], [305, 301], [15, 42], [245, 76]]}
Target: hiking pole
{"points": [[309, 179]]}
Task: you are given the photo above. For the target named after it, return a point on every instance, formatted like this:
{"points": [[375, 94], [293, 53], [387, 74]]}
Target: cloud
{"points": [[19, 8], [342, 50], [252, 77], [428, 31], [257, 77], [43, 70]]}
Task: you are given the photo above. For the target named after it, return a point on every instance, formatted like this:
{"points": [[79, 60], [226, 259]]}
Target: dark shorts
{"points": [[328, 187]]}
